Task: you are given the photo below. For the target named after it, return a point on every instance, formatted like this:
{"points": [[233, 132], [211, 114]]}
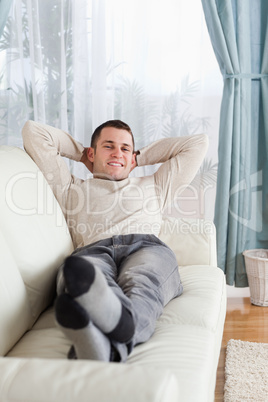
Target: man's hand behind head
{"points": [[86, 161]]}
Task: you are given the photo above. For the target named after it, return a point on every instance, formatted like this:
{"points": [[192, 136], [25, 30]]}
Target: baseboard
{"points": [[232, 291]]}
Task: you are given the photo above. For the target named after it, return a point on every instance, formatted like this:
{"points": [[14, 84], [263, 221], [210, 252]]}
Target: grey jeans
{"points": [[143, 273]]}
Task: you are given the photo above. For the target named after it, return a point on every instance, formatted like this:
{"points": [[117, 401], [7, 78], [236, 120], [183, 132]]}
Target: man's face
{"points": [[113, 158]]}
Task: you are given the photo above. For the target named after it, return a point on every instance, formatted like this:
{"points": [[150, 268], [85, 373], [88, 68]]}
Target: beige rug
{"points": [[246, 372]]}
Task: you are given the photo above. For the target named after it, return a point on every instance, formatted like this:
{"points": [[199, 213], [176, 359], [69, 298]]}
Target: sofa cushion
{"points": [[198, 308], [200, 304], [185, 235], [45, 340]]}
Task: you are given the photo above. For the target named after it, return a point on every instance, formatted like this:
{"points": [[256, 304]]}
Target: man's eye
{"points": [[125, 149]]}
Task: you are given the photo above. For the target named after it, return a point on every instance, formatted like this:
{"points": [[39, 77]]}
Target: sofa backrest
{"points": [[34, 240]]}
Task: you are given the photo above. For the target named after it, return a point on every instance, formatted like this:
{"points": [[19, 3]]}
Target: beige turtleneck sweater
{"points": [[95, 209]]}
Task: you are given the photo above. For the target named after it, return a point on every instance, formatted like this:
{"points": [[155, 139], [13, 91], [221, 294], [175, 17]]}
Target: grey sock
{"points": [[89, 288], [89, 342]]}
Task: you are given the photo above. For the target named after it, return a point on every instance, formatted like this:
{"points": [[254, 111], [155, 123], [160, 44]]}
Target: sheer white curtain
{"points": [[76, 63]]}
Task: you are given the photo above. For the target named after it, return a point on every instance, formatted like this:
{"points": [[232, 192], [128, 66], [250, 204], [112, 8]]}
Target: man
{"points": [[114, 286]]}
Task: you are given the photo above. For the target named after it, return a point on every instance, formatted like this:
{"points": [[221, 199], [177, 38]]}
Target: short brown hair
{"points": [[110, 123]]}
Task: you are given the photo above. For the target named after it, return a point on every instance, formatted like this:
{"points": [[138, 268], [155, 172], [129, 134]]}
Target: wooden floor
{"points": [[243, 321]]}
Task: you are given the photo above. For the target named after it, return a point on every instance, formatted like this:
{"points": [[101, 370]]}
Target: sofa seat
{"points": [[184, 339], [178, 363]]}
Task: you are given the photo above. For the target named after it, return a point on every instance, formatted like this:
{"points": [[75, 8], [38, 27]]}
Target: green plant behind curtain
{"points": [[4, 11], [239, 35]]}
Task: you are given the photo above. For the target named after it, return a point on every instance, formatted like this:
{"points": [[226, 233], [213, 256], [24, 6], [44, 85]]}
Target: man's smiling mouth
{"points": [[117, 164]]}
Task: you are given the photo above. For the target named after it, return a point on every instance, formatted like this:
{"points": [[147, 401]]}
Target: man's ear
{"points": [[133, 161], [90, 154]]}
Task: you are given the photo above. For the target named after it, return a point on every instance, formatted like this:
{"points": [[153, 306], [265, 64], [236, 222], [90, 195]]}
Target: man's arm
{"points": [[180, 157], [47, 145]]}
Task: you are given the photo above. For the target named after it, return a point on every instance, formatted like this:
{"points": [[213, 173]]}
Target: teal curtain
{"points": [[239, 36], [5, 6]]}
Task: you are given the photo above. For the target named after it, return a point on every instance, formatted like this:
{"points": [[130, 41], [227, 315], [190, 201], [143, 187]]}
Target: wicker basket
{"points": [[257, 271]]}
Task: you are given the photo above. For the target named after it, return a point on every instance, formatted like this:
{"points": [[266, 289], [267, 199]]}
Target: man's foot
{"points": [[89, 288], [88, 341]]}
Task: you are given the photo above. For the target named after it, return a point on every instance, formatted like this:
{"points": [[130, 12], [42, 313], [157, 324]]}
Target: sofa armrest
{"points": [[192, 240], [79, 380]]}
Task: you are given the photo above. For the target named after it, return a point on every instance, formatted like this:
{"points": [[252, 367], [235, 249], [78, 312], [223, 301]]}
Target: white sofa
{"points": [[178, 363]]}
